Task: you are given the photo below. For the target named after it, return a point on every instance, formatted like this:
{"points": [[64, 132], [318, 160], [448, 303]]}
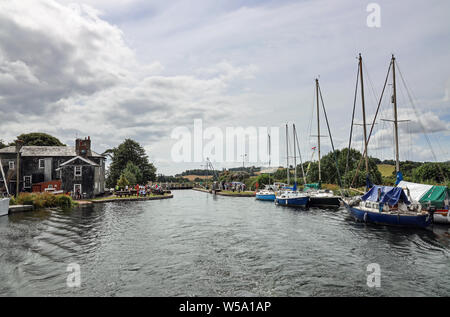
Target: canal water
{"points": [[200, 245]]}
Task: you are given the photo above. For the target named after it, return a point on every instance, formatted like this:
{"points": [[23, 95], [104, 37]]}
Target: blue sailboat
{"points": [[388, 206], [290, 196], [383, 204], [268, 193], [265, 194]]}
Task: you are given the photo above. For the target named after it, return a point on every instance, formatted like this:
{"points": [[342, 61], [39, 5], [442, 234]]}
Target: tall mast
{"points": [[363, 112], [295, 155], [287, 155], [394, 101], [268, 138], [318, 127]]}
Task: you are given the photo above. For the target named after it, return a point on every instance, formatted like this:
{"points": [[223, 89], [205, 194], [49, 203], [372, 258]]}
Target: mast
{"points": [[287, 155], [366, 156], [268, 138], [394, 101], [318, 126], [295, 155]]}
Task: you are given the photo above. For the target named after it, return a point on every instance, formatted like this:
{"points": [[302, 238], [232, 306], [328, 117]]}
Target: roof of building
{"points": [[45, 151], [80, 158]]}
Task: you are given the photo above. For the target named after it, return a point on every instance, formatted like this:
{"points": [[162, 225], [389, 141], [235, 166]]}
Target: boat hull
{"points": [[417, 221], [442, 216], [4, 206], [324, 202], [265, 197], [293, 202]]}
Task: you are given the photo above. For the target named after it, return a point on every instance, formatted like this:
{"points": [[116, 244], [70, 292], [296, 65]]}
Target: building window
{"points": [[78, 170], [11, 165], [41, 163], [27, 181]]}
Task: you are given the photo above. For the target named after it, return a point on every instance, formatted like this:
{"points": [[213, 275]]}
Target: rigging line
{"points": [[311, 117], [373, 123], [351, 127], [331, 138], [300, 156], [370, 82], [420, 122]]}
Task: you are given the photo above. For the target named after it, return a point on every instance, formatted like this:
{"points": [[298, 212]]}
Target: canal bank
{"points": [[227, 193]]}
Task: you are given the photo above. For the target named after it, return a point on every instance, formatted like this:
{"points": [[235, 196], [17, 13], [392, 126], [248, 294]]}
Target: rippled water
{"points": [[200, 245]]}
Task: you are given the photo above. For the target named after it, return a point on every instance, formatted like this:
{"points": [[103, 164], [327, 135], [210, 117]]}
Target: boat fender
{"points": [[365, 217]]}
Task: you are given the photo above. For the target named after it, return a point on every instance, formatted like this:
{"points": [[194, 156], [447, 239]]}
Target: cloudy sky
{"points": [[138, 69]]}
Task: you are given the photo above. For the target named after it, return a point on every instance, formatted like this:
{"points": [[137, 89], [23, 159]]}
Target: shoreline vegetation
{"points": [[43, 200]]}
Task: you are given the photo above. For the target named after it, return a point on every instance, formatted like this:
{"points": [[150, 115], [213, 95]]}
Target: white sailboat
{"points": [[4, 202]]}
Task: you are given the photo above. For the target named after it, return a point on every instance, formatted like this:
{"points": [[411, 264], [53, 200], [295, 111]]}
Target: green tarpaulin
{"points": [[436, 195], [313, 186]]}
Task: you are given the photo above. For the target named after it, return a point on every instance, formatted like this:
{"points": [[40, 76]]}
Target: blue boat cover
{"points": [[388, 195]]}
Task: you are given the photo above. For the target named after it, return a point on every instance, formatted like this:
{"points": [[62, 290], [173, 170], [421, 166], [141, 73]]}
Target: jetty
{"points": [[226, 193]]}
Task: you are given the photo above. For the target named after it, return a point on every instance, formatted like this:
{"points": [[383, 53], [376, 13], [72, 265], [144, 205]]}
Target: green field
{"points": [[386, 170]]}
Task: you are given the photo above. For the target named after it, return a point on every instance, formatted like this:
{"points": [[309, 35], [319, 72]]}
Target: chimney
{"points": [[83, 147]]}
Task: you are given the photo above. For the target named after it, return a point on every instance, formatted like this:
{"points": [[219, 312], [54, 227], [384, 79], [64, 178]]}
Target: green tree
{"points": [[123, 181], [132, 173], [432, 173], [38, 139], [130, 151], [2, 145]]}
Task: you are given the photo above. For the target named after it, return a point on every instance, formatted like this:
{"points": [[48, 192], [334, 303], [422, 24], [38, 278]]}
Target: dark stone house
{"points": [[78, 168]]}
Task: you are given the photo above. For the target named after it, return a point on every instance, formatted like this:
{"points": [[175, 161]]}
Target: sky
{"points": [[139, 69]]}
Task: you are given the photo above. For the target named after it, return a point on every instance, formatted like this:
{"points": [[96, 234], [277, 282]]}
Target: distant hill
{"points": [[386, 170]]}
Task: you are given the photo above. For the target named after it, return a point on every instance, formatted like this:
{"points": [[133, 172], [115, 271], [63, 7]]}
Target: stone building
{"points": [[78, 168]]}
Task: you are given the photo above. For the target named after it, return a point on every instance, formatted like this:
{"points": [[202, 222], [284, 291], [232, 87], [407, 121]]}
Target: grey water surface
{"points": [[197, 244]]}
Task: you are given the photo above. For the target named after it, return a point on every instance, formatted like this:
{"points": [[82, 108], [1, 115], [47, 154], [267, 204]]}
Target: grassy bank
{"points": [[43, 200], [109, 198]]}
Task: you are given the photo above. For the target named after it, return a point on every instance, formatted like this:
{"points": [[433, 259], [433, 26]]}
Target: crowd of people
{"points": [[141, 190]]}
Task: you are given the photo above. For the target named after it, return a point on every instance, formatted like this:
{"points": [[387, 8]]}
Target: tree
{"points": [[123, 181], [132, 173], [38, 139], [130, 151], [431, 172], [2, 145]]}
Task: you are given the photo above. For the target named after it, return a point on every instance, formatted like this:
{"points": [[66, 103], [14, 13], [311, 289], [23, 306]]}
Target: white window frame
{"points": [[80, 171], [13, 164], [25, 182], [39, 164]]}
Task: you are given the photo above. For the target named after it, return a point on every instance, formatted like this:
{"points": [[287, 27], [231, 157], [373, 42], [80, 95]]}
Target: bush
{"points": [[44, 200], [64, 201]]}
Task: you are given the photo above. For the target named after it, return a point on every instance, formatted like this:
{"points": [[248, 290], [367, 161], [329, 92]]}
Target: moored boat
{"points": [[265, 194], [387, 205], [430, 197], [292, 199], [323, 198], [4, 206]]}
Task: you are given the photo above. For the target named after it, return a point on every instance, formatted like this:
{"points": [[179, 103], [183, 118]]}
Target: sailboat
{"points": [[291, 197], [4, 201], [429, 196], [384, 204], [318, 197], [268, 193]]}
